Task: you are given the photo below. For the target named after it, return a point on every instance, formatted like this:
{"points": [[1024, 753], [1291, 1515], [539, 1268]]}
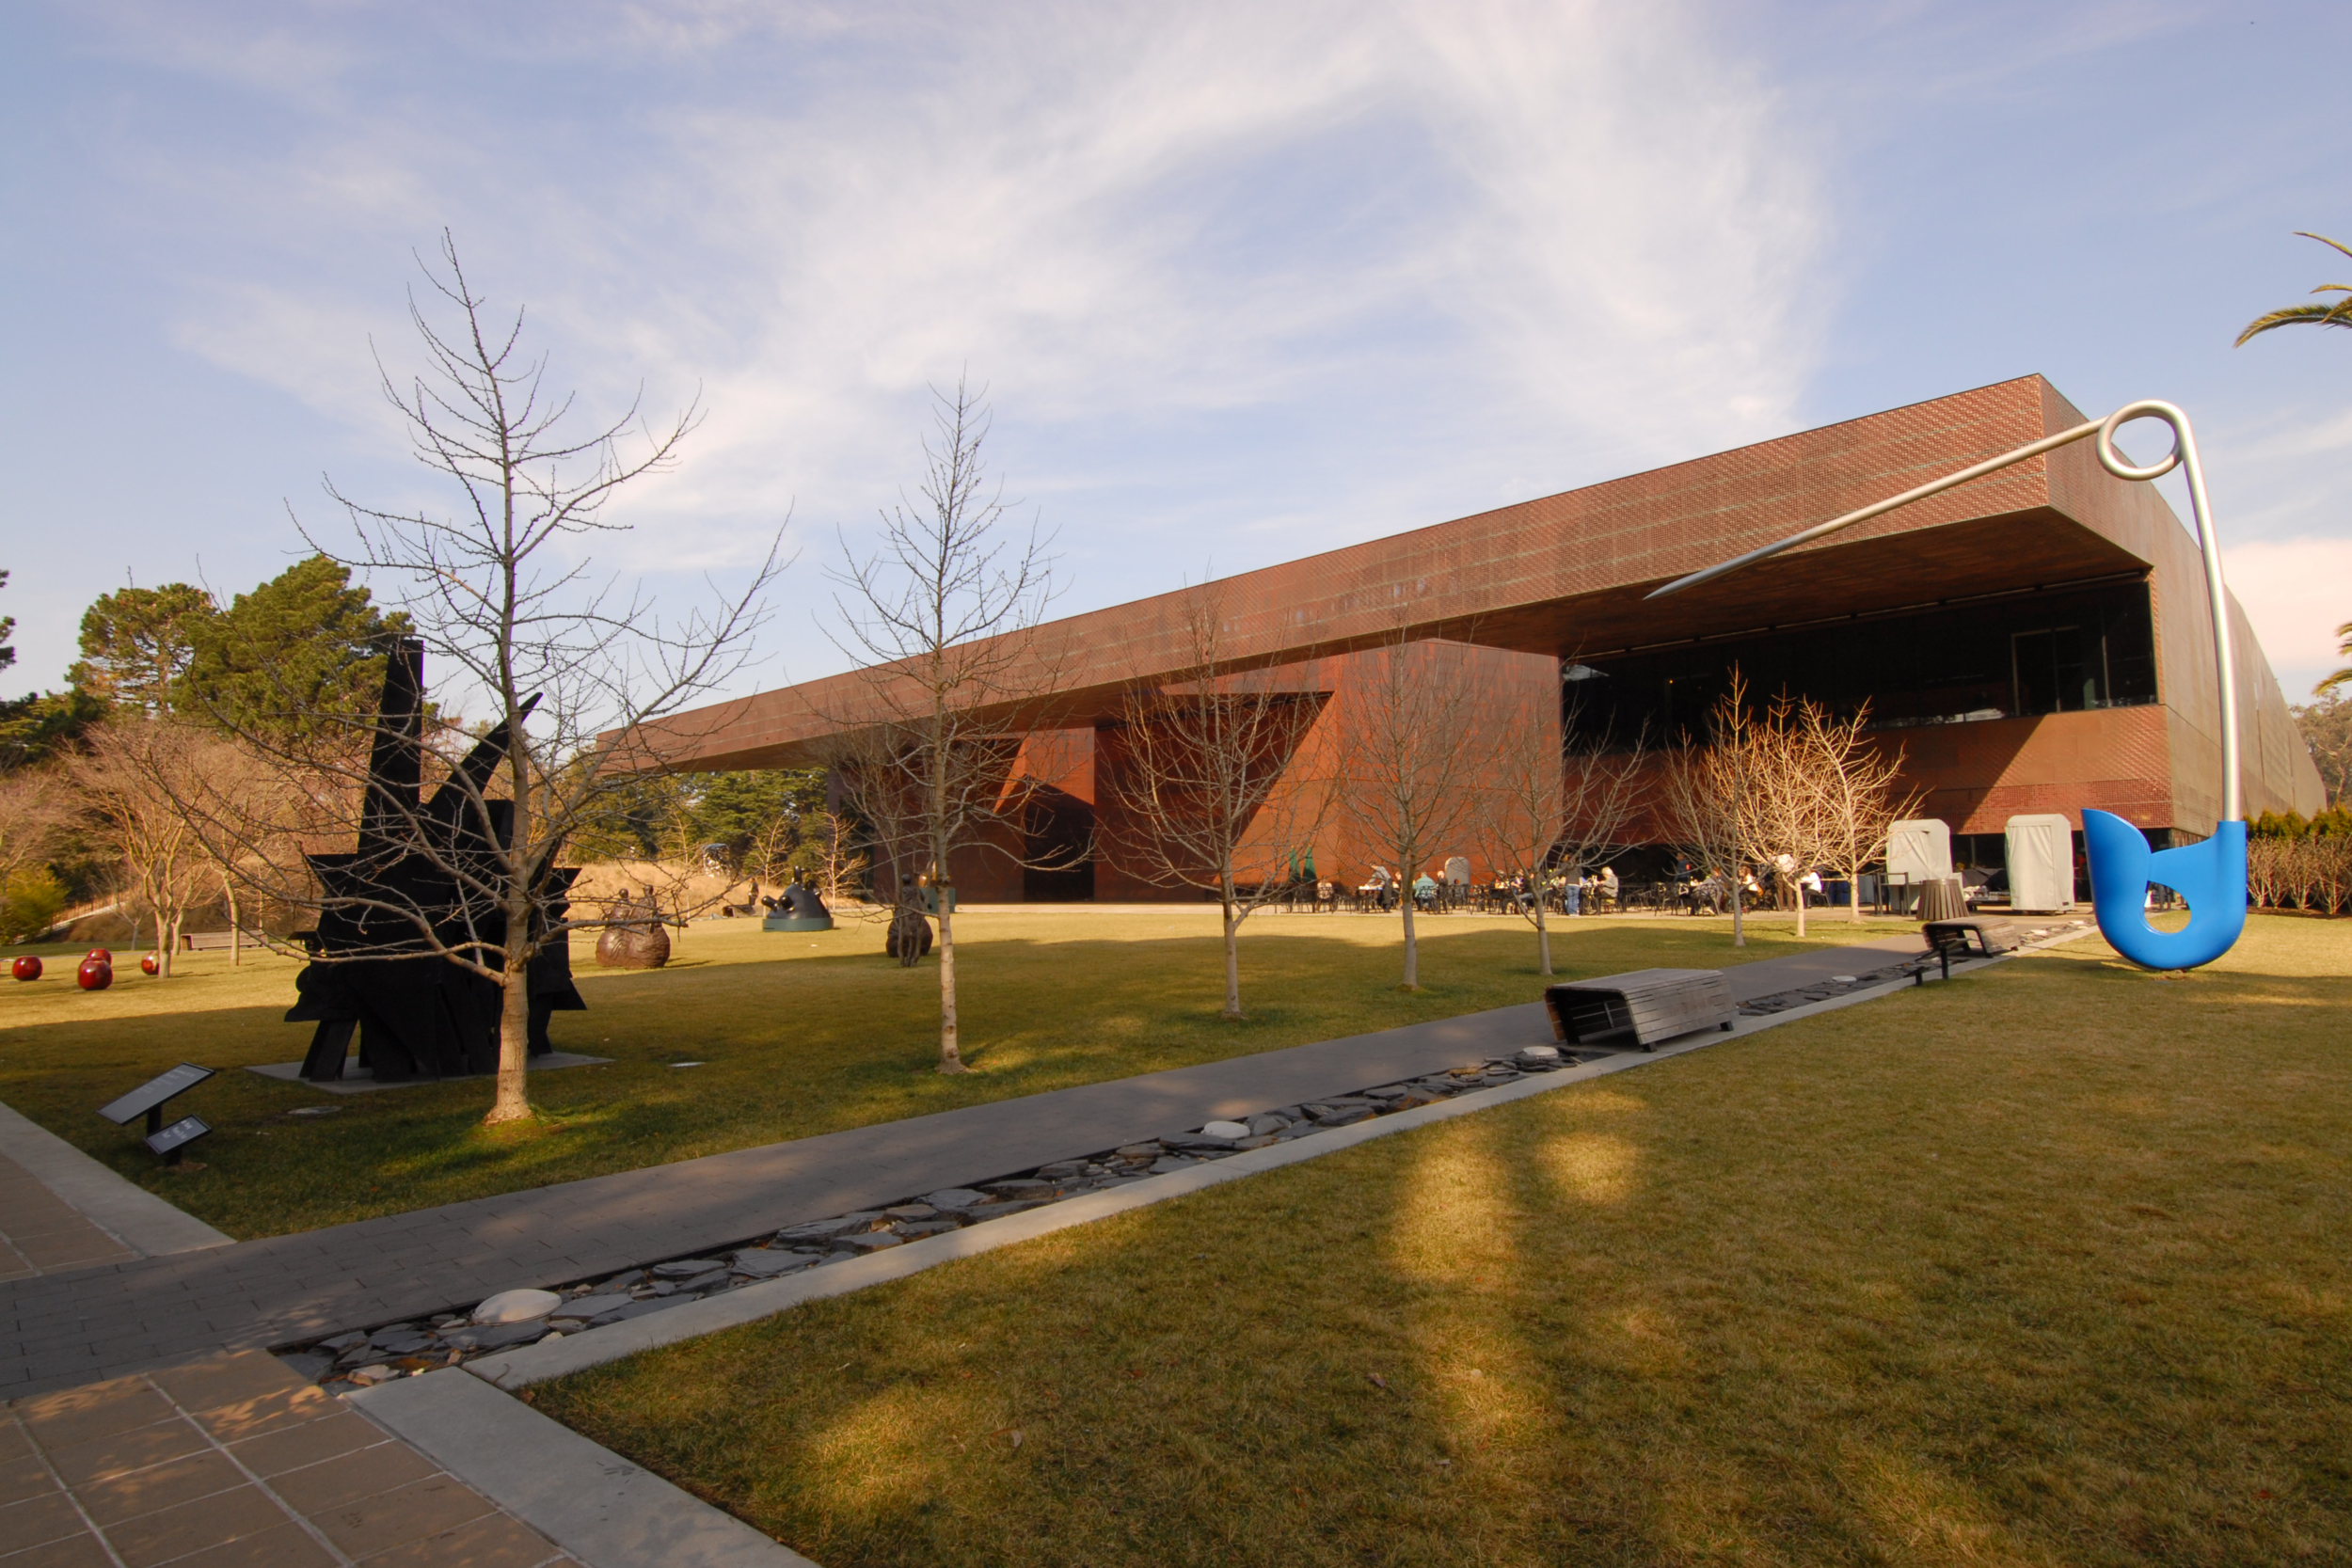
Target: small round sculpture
{"points": [[25, 967], [635, 939], [798, 910], [101, 954], [150, 963], [94, 974]]}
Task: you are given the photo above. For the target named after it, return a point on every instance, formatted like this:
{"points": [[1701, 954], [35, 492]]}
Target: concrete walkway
{"points": [[233, 1460], [61, 1210], [61, 1330]]}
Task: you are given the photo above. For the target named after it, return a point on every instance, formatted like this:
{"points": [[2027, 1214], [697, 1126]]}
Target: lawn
{"points": [[2051, 1265], [795, 1034]]}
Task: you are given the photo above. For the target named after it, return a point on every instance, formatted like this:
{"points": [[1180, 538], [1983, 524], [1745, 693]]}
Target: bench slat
{"points": [[1647, 1004]]}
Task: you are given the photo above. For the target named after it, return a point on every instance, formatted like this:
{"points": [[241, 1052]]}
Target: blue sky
{"points": [[1246, 281]]}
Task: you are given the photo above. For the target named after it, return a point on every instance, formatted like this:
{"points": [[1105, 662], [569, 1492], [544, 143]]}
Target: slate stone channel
{"points": [[397, 1350]]}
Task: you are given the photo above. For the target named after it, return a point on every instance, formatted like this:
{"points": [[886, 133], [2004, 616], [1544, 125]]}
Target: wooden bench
{"points": [[214, 941], [1948, 940], [1643, 1006]]}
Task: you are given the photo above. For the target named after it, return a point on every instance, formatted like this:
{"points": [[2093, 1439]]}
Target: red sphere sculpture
{"points": [[25, 967], [100, 953], [94, 974], [150, 963]]}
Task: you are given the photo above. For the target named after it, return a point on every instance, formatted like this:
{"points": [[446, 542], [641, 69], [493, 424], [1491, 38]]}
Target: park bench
{"points": [[1645, 1005], [1948, 940], [211, 941]]}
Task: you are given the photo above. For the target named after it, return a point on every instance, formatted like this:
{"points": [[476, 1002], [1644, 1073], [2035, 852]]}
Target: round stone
{"points": [[1225, 1130], [517, 1306]]}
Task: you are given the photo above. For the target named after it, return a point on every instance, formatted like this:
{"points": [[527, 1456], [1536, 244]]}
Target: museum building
{"points": [[2036, 641]]}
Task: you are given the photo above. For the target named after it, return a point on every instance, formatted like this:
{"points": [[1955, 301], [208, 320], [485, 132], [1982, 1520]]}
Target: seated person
{"points": [[1425, 891]]}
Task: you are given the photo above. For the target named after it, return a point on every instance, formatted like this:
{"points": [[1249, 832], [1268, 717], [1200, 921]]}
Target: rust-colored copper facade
{"points": [[1565, 575]]}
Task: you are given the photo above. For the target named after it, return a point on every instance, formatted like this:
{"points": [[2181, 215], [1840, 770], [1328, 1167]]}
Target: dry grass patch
{"points": [[798, 1034], [2047, 1266]]}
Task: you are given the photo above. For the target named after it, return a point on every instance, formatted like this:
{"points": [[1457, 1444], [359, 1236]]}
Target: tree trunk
{"points": [[169, 938], [1412, 951], [513, 1101], [1543, 939], [236, 922], [950, 1047], [1796, 887], [1232, 955], [1739, 930]]}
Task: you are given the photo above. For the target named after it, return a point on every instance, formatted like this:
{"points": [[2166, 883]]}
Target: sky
{"points": [[1242, 281]]}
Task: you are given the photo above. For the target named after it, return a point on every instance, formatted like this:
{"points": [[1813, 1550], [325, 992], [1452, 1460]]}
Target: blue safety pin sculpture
{"points": [[2211, 875]]}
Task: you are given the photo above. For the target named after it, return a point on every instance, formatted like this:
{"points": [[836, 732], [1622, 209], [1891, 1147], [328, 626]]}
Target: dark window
{"points": [[2060, 651]]}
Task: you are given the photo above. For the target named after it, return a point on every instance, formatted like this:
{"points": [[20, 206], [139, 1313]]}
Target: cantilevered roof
{"points": [[1565, 573]]}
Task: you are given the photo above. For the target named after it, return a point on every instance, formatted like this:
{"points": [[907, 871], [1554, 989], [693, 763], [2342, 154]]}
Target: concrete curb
{"points": [[596, 1505], [123, 1210], [554, 1358]]}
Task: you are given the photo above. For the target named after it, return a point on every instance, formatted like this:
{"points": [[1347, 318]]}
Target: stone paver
{"points": [[41, 1233], [58, 1331], [231, 1460]]}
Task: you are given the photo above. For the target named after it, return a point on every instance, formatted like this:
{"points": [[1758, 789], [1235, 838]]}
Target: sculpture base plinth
{"points": [[796, 923]]}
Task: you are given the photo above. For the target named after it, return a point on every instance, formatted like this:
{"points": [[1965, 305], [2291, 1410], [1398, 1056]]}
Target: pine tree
{"points": [[301, 651], [136, 643]]}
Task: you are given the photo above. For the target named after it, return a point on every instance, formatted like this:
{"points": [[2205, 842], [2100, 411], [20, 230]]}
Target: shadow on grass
{"points": [[792, 1047], [2047, 1266]]}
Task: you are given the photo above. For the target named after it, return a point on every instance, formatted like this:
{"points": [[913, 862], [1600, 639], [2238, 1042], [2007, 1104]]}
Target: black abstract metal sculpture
{"points": [[422, 863]]}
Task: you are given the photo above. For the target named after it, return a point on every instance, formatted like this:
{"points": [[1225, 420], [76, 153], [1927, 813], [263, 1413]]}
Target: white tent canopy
{"points": [[2041, 862], [1917, 852]]}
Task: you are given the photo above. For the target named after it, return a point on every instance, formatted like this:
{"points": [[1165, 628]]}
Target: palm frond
{"points": [[2294, 315], [2338, 314]]}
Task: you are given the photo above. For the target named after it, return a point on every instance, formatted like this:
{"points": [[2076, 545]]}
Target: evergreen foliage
{"points": [[298, 653], [768, 820], [136, 643], [45, 724], [2336, 823], [2325, 728]]}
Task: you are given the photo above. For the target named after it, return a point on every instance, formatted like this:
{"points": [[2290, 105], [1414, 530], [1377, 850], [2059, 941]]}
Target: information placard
{"points": [[150, 1095]]}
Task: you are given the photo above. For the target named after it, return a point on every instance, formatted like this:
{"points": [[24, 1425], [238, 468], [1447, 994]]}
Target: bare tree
{"points": [[1796, 828], [942, 618], [838, 862], [120, 779], [1198, 773], [1711, 799], [1553, 803], [1857, 782], [1765, 787], [34, 814], [1412, 742], [571, 673]]}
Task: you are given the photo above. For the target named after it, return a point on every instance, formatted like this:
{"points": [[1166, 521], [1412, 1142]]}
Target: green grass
{"points": [[800, 1035], [2051, 1265]]}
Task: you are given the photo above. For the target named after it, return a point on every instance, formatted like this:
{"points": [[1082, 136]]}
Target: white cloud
{"points": [[1465, 251]]}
